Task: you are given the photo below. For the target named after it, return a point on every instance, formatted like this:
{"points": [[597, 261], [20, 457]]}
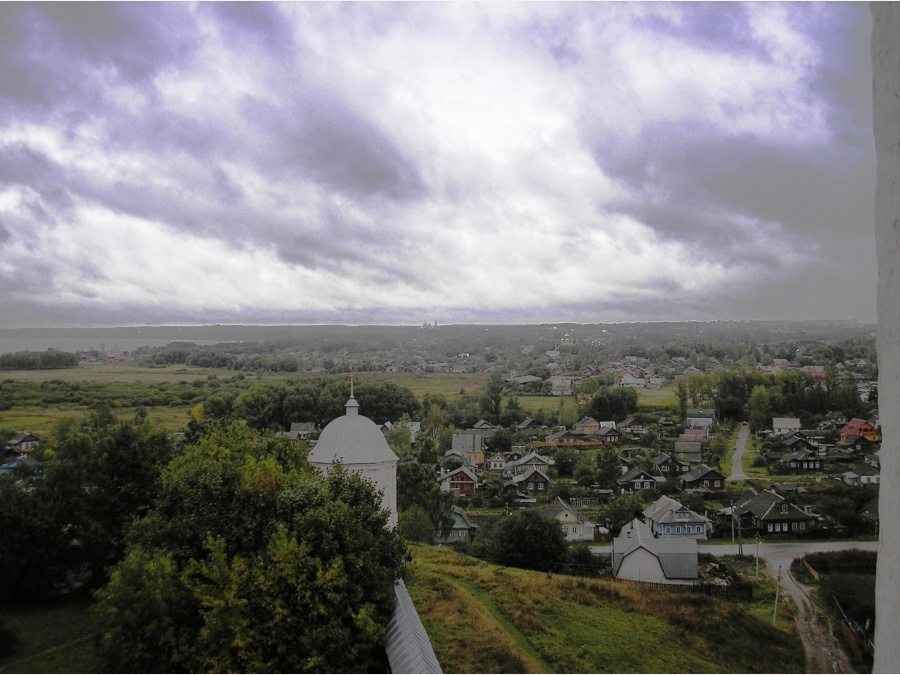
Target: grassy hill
{"points": [[483, 618]]}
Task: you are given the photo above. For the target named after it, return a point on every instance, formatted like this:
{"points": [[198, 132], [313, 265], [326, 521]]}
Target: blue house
{"points": [[668, 518]]}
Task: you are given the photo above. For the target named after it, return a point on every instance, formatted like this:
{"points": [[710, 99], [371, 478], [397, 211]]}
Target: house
{"points": [[299, 431], [639, 556], [693, 435], [689, 451], [471, 445], [575, 526], [532, 461], [23, 443], [860, 427], [462, 529], [564, 437], [770, 513], [669, 518], [855, 443], [803, 460], [704, 479], [528, 427], [867, 474], [461, 480], [633, 426], [785, 425], [22, 465], [533, 482], [700, 418], [609, 435], [497, 462], [637, 479], [586, 426], [484, 426], [629, 380], [453, 458], [667, 465]]}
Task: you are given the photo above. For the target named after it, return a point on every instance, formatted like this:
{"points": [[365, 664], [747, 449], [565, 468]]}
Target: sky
{"points": [[401, 163]]}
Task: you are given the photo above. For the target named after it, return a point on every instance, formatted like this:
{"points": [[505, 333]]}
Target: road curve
{"points": [[824, 654]]}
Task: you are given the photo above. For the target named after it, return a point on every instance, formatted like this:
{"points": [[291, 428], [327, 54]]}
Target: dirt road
{"points": [[740, 447]]}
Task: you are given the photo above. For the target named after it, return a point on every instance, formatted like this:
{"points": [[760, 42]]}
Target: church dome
{"points": [[352, 439]]}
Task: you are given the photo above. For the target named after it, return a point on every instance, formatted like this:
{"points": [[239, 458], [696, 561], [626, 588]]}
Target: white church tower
{"points": [[358, 444]]}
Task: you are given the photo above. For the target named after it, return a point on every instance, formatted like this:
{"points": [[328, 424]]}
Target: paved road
{"points": [[740, 447]]}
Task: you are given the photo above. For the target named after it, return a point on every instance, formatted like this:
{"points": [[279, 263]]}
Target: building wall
{"points": [[886, 95], [641, 565]]}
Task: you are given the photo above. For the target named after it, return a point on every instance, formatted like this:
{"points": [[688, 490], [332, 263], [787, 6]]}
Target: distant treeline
{"points": [[48, 360]]}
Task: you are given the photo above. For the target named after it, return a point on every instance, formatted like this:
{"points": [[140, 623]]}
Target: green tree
{"points": [[492, 398], [416, 525], [528, 540], [758, 408], [418, 486], [681, 392], [252, 561], [105, 474]]}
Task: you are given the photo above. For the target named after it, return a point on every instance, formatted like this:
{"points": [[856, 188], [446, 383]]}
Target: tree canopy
{"points": [[251, 561]]}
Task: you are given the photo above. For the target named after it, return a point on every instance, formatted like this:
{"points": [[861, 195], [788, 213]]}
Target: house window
{"points": [[668, 529], [706, 483], [769, 527], [665, 468], [678, 530], [531, 486], [574, 529], [784, 508], [540, 486]]}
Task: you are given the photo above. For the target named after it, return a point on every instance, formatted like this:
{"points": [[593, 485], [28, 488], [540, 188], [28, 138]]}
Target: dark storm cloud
{"points": [[321, 138], [312, 143], [51, 52]]}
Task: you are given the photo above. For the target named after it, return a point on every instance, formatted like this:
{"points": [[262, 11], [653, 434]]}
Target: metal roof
{"points": [[406, 642]]}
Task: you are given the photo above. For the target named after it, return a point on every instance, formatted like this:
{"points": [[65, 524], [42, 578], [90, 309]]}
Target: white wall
{"points": [[886, 98]]}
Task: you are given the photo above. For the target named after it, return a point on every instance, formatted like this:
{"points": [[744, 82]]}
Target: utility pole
{"points": [[757, 555], [732, 522], [777, 588]]}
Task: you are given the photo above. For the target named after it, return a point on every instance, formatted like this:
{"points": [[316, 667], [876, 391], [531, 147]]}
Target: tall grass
{"points": [[568, 624]]}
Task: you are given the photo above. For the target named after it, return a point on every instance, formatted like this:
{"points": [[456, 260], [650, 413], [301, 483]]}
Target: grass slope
{"points": [[57, 636], [483, 618]]}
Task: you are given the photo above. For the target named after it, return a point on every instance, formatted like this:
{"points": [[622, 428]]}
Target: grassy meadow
{"points": [[483, 618]]}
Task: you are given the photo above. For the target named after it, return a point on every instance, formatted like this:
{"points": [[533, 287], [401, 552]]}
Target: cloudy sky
{"points": [[402, 163]]}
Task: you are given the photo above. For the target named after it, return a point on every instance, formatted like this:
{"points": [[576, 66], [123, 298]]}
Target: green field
{"points": [[483, 618], [124, 384]]}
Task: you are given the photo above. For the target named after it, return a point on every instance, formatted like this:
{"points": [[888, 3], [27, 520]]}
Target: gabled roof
{"points": [[527, 423], [464, 470], [522, 477], [531, 457], [558, 506], [633, 474], [677, 557], [663, 511], [699, 473]]}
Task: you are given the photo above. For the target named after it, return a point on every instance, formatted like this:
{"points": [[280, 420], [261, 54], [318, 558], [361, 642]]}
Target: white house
{"points": [[785, 425]]}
